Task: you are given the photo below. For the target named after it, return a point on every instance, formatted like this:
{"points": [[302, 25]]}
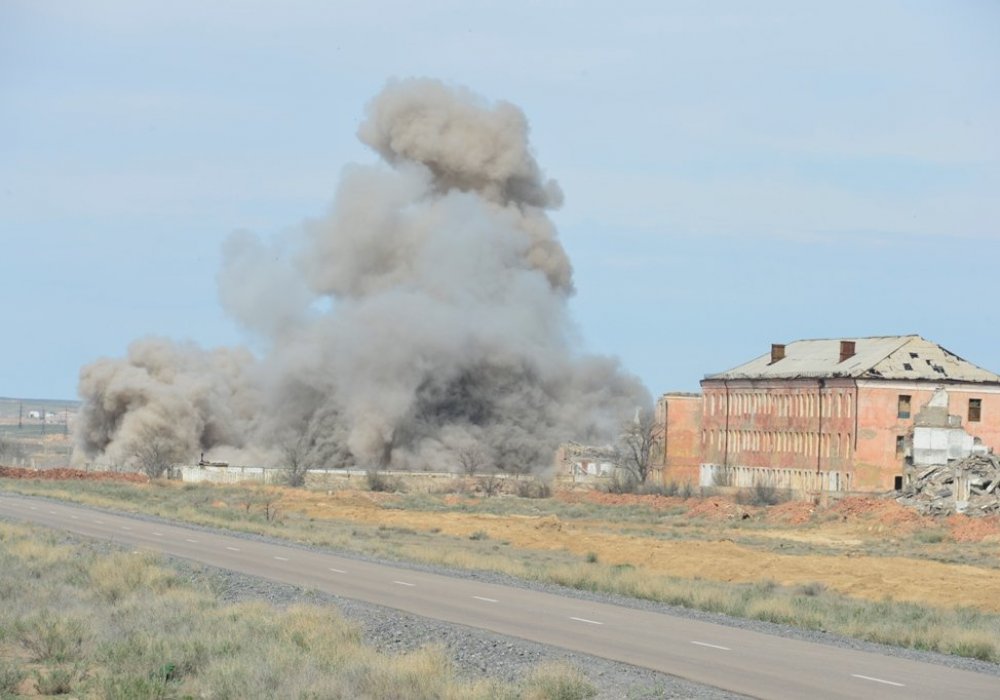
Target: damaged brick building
{"points": [[823, 415]]}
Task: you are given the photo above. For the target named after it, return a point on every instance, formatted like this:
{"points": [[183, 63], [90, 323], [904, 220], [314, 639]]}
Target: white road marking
{"points": [[75, 517], [52, 512], [99, 522], [233, 549], [488, 600], [711, 646], [126, 528], [158, 534], [878, 680], [282, 558], [338, 571], [32, 507], [589, 622], [404, 583], [192, 541]]}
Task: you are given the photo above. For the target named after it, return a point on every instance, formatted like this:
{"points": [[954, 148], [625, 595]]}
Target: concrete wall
{"points": [[797, 480], [336, 479]]}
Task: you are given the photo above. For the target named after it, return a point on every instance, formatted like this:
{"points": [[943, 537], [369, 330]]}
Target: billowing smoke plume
{"points": [[422, 323]]}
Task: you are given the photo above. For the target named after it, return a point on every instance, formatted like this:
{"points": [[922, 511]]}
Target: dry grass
{"points": [[120, 625]]}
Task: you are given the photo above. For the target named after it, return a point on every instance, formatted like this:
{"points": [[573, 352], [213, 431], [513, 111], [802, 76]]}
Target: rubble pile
{"points": [[970, 486]]}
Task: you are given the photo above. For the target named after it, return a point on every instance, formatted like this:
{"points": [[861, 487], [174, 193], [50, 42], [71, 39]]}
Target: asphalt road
{"points": [[739, 660]]}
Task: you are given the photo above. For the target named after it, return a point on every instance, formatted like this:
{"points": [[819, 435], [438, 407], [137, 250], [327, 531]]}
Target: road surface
{"points": [[735, 659]]}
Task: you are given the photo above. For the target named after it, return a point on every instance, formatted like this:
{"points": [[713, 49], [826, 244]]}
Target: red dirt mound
{"points": [[64, 474], [966, 529]]}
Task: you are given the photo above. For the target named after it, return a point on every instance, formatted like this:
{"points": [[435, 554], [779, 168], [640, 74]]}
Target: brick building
{"points": [[823, 415]]}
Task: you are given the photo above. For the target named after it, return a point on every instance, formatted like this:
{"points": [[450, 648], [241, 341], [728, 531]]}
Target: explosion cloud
{"points": [[421, 323]]}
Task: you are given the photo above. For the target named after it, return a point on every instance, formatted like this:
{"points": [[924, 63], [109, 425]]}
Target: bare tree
{"points": [[471, 458], [294, 450], [638, 446], [154, 453]]}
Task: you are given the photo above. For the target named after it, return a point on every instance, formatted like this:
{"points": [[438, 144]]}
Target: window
{"points": [[975, 410], [900, 445], [903, 406]]}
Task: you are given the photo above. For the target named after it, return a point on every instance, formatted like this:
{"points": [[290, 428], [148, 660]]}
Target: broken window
{"points": [[975, 410], [900, 445], [903, 406]]}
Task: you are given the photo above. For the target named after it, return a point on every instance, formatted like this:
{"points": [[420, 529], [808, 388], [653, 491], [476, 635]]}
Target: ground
{"points": [[868, 548]]}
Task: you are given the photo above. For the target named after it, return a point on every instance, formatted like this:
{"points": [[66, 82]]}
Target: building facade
{"points": [[827, 415]]}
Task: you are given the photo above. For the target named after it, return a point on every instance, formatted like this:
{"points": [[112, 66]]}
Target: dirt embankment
{"points": [[64, 474]]}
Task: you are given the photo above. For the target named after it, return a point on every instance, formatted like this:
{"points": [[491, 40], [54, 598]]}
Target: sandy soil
{"points": [[850, 524]]}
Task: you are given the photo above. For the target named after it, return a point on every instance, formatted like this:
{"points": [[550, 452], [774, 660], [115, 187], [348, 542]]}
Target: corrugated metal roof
{"points": [[906, 357]]}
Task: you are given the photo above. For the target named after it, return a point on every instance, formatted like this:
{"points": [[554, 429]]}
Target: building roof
{"points": [[897, 357]]}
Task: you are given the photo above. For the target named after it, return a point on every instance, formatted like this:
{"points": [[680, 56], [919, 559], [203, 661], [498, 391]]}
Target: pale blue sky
{"points": [[735, 173]]}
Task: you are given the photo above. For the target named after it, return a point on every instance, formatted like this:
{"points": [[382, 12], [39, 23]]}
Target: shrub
{"points": [[10, 678], [812, 589], [976, 646], [479, 535], [116, 576], [762, 494], [377, 481], [56, 681], [532, 488], [930, 536], [622, 481], [669, 488], [51, 639], [557, 682], [489, 485]]}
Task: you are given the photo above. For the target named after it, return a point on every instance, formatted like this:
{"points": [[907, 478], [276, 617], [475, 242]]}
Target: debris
{"points": [[962, 486]]}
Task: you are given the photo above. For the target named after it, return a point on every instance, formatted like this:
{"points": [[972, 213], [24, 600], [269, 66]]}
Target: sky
{"points": [[735, 174]]}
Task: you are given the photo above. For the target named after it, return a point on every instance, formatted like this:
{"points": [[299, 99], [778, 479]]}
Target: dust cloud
{"points": [[421, 323]]}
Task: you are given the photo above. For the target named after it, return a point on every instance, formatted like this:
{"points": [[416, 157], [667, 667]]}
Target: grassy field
{"points": [[79, 620], [668, 553]]}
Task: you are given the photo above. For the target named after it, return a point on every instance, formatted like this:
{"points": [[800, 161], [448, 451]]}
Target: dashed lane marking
{"points": [[233, 549], [75, 517], [158, 534], [282, 558], [878, 680], [487, 600], [589, 622], [712, 646], [125, 528], [404, 583], [192, 541], [338, 571]]}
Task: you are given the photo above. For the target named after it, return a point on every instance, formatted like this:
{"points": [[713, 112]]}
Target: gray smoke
{"points": [[422, 323]]}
